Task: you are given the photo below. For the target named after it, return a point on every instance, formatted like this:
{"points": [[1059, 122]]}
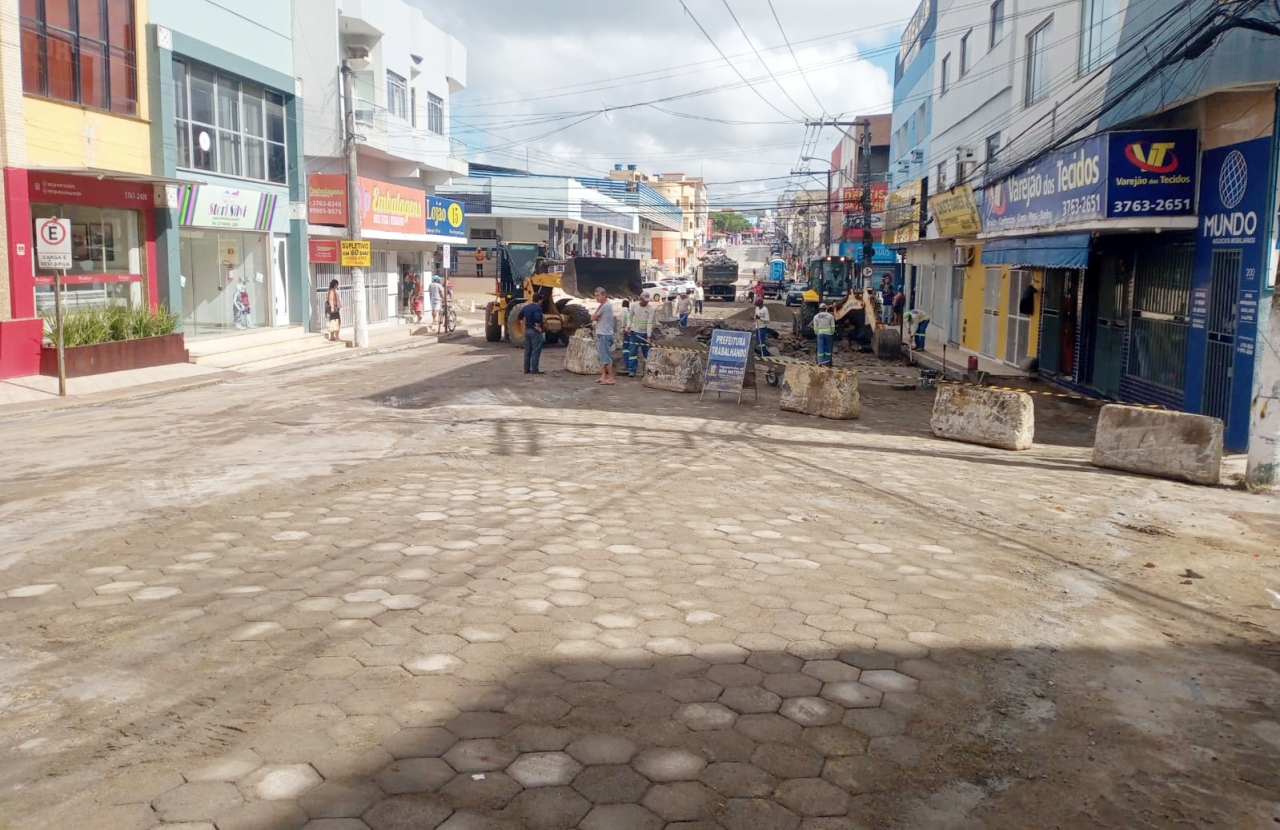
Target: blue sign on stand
{"points": [[727, 362], [1114, 175]]}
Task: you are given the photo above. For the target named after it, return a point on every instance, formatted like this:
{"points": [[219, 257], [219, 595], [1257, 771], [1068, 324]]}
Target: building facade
{"points": [[403, 70], [848, 217], [77, 146], [689, 194], [228, 122], [1102, 176]]}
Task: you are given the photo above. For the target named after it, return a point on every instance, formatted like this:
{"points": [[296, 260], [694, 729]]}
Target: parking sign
{"points": [[53, 244]]}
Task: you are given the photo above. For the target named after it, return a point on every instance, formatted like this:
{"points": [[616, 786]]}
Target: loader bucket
{"points": [[618, 277]]}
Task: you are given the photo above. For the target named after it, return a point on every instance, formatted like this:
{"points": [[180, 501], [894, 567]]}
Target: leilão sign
{"points": [[727, 358], [356, 254]]}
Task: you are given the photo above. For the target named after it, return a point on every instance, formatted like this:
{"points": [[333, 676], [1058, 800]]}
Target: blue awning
{"points": [[1063, 251]]}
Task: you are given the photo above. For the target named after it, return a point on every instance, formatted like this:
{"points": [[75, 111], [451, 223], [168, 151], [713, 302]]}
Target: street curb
{"points": [[155, 390], [134, 393]]}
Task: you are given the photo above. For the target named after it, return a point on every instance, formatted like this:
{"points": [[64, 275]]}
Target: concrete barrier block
{"points": [[580, 358], [1153, 442], [675, 370], [990, 417], [821, 391], [886, 343]]}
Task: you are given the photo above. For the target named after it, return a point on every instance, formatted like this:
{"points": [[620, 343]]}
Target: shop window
{"points": [[1159, 321], [229, 126], [397, 96], [106, 257], [81, 51], [435, 114]]}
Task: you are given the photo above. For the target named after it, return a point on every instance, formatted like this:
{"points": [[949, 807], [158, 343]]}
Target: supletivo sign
{"points": [[1136, 174]]}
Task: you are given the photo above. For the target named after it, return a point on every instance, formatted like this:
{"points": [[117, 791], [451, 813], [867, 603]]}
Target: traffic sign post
{"points": [[53, 252]]}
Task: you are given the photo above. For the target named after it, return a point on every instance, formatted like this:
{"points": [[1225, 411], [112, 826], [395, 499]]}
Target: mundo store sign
{"points": [[1149, 173]]}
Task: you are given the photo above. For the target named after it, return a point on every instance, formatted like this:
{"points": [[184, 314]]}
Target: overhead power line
{"points": [[760, 58], [712, 41], [787, 41]]}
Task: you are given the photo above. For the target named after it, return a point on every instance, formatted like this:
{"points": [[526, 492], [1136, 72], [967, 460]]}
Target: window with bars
{"points": [[435, 114], [228, 126], [82, 52], [1037, 84], [941, 179], [397, 96]]}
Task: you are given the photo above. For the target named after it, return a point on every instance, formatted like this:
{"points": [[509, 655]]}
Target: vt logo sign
{"points": [[1155, 157]]}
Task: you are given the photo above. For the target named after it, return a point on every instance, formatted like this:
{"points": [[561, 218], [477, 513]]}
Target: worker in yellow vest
{"points": [[824, 326]]}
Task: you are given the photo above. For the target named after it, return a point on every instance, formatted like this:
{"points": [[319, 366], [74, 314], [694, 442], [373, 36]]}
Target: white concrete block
{"points": [[675, 370], [821, 391], [1154, 442], [990, 417], [580, 358]]}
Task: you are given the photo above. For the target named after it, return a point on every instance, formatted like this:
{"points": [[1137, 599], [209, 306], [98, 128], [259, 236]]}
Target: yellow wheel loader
{"points": [[526, 272]]}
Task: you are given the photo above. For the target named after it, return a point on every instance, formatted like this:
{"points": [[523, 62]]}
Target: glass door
{"points": [[204, 307], [1018, 325], [991, 313]]}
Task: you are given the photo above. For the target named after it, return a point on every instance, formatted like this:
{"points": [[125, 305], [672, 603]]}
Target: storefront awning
{"points": [[1062, 251], [114, 175]]}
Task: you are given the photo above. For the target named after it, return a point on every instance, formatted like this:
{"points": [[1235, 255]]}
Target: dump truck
{"points": [[718, 275], [831, 281], [525, 271]]}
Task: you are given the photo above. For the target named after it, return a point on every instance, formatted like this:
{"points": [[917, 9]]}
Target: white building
{"points": [[404, 70]]}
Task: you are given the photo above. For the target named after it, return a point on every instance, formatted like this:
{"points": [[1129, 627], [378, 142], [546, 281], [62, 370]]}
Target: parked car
{"points": [[657, 291], [795, 294]]}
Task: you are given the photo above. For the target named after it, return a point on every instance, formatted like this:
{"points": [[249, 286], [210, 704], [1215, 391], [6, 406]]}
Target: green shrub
{"points": [[106, 324]]}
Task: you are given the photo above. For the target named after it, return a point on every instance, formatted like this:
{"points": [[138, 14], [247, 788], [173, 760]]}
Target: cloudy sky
{"points": [[580, 85]]}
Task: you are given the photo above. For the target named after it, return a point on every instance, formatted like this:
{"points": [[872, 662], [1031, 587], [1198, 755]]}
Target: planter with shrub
{"points": [[113, 339]]}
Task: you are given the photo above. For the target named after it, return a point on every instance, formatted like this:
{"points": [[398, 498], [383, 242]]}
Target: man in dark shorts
{"points": [[534, 338]]}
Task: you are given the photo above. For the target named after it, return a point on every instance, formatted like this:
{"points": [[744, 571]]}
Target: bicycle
{"points": [[449, 316]]}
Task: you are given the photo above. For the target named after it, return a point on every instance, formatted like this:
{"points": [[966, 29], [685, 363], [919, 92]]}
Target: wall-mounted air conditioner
{"points": [[966, 154], [962, 255]]}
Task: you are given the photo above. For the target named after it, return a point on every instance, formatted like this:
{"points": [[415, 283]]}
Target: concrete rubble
{"points": [[1174, 445], [674, 369], [580, 356], [821, 391], [990, 417]]}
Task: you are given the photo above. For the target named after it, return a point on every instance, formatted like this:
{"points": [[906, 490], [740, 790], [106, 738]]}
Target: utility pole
{"points": [[361, 322], [864, 159], [864, 152]]}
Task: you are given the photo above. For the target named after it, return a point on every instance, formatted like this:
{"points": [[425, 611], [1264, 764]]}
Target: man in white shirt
{"points": [[644, 316], [684, 305], [698, 297], [762, 327], [435, 291]]}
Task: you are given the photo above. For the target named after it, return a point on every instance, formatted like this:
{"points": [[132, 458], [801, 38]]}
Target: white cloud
{"points": [[557, 61]]}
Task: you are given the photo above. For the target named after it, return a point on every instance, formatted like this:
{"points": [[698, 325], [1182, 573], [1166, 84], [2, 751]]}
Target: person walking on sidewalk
{"points": [[698, 297], [824, 326], [436, 292], [683, 306], [643, 318], [534, 338], [762, 327], [333, 312]]}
